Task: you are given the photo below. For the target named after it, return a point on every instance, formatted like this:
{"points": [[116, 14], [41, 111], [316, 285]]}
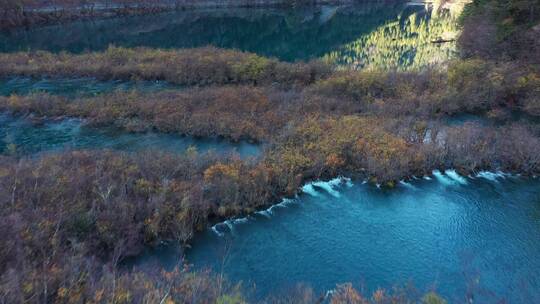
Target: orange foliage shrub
{"points": [[200, 66]]}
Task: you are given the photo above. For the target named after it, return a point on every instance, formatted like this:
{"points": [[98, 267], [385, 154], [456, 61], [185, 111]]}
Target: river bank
{"points": [[29, 14]]}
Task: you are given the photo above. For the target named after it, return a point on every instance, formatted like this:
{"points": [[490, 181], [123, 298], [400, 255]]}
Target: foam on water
{"points": [[229, 225], [216, 231], [283, 204], [221, 228], [329, 186], [443, 179], [270, 210], [495, 176], [407, 185], [264, 213], [329, 293], [492, 176], [241, 220], [309, 189], [286, 202], [455, 176]]}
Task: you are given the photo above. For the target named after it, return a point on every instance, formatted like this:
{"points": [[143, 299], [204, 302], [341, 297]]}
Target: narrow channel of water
{"points": [[74, 86], [22, 136]]}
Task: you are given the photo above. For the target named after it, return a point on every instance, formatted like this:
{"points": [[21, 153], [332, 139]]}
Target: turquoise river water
{"points": [[475, 236]]}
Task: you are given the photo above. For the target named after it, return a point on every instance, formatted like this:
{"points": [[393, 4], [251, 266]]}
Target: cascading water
{"points": [[450, 233]]}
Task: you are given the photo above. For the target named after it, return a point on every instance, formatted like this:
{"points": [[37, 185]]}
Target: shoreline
{"points": [[446, 176], [39, 16]]}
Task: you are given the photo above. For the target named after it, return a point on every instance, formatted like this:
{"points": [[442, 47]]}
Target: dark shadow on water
{"points": [[288, 34]]}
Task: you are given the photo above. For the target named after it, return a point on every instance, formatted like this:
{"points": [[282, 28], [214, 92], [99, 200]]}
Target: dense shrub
{"points": [[63, 211], [346, 145], [502, 30], [72, 278], [232, 112], [386, 150], [235, 112], [260, 112], [387, 93], [201, 66], [466, 86]]}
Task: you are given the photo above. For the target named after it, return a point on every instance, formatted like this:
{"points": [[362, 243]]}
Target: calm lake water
{"points": [[371, 34], [453, 234], [21, 136]]}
